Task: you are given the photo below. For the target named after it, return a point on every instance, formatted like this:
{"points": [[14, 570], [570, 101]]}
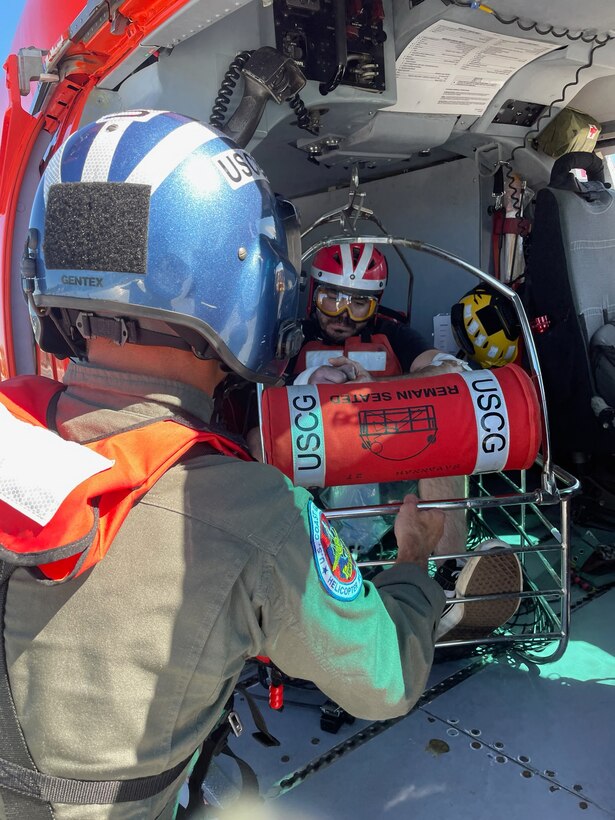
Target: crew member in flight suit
{"points": [[121, 659]]}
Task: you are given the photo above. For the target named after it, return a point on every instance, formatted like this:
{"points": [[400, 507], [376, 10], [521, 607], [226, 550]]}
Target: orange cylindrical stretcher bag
{"points": [[323, 435]]}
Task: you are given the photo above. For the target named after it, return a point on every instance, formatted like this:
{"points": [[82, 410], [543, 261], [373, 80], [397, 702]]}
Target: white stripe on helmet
{"points": [[140, 114], [170, 152], [347, 266], [53, 172], [364, 261], [102, 150]]}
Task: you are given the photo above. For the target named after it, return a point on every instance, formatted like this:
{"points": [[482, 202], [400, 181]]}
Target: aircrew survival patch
{"points": [[336, 568]]}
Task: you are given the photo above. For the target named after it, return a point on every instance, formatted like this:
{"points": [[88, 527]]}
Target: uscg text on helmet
{"points": [[238, 167]]}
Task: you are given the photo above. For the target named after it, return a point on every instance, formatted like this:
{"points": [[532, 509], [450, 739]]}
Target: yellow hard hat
{"points": [[485, 326]]}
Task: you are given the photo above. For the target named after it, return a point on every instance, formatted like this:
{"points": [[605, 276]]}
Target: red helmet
{"points": [[351, 267]]}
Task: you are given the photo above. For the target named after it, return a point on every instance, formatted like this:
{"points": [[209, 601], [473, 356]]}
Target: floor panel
{"points": [[498, 740]]}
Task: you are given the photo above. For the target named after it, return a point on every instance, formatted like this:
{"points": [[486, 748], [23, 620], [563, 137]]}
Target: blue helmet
{"points": [[150, 227]]}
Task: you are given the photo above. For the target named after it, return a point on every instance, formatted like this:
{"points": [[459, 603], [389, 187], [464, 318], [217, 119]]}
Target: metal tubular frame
{"points": [[556, 485], [527, 645]]}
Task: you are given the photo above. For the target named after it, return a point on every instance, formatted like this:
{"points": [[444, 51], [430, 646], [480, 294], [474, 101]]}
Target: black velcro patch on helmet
{"points": [[97, 226]]}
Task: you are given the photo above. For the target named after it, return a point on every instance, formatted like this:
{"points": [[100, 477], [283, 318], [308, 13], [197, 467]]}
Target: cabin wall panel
{"points": [[439, 205]]}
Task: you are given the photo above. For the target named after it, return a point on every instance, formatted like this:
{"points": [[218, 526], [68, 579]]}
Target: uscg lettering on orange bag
{"points": [[307, 435], [492, 425]]}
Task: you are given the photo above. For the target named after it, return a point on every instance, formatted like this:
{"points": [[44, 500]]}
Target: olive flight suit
{"points": [[123, 671]]}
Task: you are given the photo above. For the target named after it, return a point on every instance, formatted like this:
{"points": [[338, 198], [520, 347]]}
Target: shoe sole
{"points": [[486, 575]]}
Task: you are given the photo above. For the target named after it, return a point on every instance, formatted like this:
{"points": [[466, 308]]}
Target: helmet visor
{"points": [[333, 302]]}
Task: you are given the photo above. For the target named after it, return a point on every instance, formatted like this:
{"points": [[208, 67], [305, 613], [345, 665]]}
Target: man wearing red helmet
{"points": [[347, 340], [348, 282]]}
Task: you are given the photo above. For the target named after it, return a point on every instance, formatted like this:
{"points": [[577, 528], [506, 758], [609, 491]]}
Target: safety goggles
{"points": [[333, 302]]}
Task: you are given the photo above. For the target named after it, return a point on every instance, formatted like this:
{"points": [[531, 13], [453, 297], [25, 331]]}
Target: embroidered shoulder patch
{"points": [[336, 568]]}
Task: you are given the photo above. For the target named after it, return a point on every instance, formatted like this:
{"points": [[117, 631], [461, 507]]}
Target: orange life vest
{"points": [[378, 344], [87, 521]]}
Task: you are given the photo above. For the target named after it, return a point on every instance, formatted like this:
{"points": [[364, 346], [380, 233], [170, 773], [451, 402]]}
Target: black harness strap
{"points": [[13, 747], [215, 744], [45, 787], [26, 792]]}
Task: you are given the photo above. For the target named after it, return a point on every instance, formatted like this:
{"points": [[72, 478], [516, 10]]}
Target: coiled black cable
{"points": [[303, 115], [515, 198], [223, 98], [584, 36]]}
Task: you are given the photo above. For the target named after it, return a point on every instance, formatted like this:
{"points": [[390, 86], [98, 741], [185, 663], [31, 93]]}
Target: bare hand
{"points": [[326, 374], [340, 370], [417, 532], [356, 371]]}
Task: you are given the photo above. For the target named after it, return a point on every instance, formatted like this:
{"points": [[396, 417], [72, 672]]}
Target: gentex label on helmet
{"points": [[336, 568], [238, 167]]}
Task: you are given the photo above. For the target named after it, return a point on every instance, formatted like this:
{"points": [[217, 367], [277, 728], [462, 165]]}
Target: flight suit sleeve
{"points": [[368, 646]]}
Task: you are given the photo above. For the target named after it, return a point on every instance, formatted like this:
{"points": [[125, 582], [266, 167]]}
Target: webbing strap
{"points": [[263, 734], [84, 792], [215, 744], [13, 747], [26, 792]]}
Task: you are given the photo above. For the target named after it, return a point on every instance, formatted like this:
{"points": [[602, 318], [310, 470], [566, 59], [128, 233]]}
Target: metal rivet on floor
{"points": [[526, 773], [476, 745], [583, 805]]}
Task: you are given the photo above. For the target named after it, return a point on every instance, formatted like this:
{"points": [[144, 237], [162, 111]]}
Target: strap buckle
{"points": [[235, 723]]}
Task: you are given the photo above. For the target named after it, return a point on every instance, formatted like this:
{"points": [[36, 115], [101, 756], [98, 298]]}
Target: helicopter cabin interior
{"points": [[475, 144]]}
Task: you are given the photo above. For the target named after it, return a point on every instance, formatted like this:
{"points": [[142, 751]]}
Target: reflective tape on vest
{"points": [[491, 414], [31, 480], [307, 435]]}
